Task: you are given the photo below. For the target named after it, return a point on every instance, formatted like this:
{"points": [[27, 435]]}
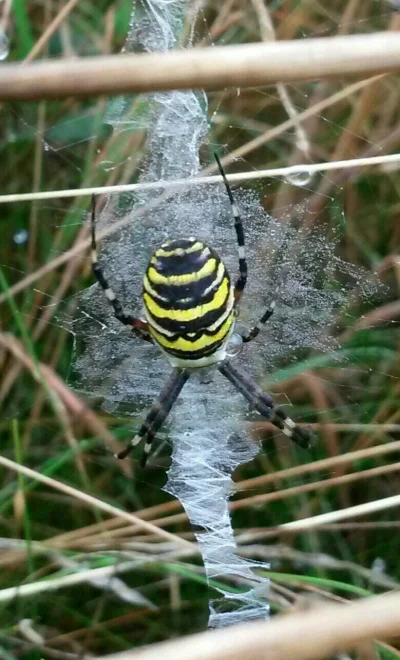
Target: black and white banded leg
{"points": [[157, 414], [279, 270], [255, 331], [242, 279], [140, 328], [265, 405]]}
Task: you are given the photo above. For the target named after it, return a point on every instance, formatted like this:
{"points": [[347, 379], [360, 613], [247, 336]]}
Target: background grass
{"points": [[354, 403]]}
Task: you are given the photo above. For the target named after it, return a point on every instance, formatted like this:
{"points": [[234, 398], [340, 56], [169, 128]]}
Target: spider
{"points": [[190, 307]]}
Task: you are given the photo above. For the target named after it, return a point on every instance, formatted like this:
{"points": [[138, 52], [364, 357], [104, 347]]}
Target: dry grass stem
{"points": [[343, 514], [65, 581], [244, 65], [267, 32], [317, 634], [92, 501], [77, 409], [51, 29]]}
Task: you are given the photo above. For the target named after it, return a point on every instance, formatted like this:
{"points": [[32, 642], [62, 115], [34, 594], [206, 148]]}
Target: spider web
{"points": [[206, 424]]}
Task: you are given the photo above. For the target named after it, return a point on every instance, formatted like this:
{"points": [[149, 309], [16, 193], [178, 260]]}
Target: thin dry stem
{"points": [[268, 34], [237, 177], [78, 410], [51, 29]]}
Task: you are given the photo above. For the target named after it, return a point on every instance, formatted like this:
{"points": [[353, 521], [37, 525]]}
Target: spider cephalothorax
{"points": [[190, 305]]}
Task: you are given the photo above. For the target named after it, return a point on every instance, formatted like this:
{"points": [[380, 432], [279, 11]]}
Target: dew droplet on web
{"points": [[21, 236], [4, 45], [235, 345], [299, 177]]}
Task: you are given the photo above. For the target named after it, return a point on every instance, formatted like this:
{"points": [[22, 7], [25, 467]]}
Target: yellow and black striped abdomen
{"points": [[188, 299]]}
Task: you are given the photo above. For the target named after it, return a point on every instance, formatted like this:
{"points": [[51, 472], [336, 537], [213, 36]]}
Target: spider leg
{"points": [[252, 334], [157, 414], [139, 328], [242, 279], [265, 405]]}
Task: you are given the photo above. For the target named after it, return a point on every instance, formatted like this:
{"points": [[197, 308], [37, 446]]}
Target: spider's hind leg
{"points": [[157, 414], [282, 421], [265, 405]]}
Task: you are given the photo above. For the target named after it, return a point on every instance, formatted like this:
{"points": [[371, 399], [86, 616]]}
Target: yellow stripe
{"points": [[204, 341], [218, 279], [152, 292], [223, 316], [184, 315], [179, 280], [179, 252]]}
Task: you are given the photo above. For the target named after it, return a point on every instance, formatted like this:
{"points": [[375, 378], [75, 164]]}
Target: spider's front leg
{"points": [[157, 414], [139, 328], [242, 279], [252, 334]]}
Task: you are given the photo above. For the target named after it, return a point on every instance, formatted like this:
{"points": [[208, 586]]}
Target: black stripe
{"points": [[197, 335], [175, 295], [242, 279], [182, 243], [97, 271], [239, 232], [184, 264], [182, 327], [196, 355]]}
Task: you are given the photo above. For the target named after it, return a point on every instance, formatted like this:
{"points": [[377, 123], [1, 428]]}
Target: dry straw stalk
{"points": [[310, 635], [245, 65]]}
